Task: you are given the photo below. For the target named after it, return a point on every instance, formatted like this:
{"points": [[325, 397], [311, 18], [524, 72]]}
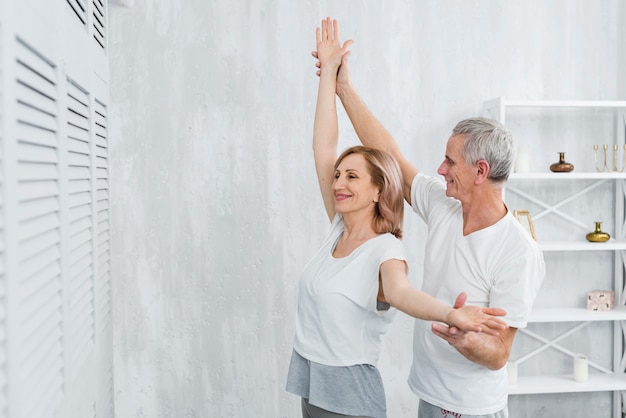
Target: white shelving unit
{"points": [[575, 318], [566, 384]]}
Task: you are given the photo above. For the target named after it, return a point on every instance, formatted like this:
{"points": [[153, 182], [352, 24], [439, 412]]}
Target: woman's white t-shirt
{"points": [[338, 323]]}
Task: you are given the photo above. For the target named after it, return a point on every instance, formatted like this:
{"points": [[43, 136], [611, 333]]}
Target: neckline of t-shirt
{"points": [[332, 248]]}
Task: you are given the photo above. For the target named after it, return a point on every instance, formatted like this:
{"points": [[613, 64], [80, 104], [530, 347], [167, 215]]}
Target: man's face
{"points": [[458, 174]]}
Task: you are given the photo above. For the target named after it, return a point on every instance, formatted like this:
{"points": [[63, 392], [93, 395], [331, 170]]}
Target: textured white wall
{"points": [[214, 199]]}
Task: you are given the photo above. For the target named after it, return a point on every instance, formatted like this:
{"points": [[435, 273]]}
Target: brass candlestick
{"points": [[605, 165]]}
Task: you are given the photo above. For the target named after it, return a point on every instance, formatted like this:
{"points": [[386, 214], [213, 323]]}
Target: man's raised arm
{"points": [[368, 128]]}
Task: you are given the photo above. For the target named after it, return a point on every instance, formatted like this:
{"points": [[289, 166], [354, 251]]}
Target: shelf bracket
{"points": [[547, 343], [549, 208]]}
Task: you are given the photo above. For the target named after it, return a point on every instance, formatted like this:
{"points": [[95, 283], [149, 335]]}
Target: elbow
{"points": [[497, 364], [498, 361], [391, 299], [395, 298]]}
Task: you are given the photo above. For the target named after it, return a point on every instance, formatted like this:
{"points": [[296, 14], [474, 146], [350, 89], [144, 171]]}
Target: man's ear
{"points": [[482, 172]]}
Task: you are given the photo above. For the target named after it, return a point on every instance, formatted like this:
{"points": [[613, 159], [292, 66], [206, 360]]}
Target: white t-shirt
{"points": [[499, 266], [337, 322]]}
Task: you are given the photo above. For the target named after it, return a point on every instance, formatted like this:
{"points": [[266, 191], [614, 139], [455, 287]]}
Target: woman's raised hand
{"points": [[329, 50]]}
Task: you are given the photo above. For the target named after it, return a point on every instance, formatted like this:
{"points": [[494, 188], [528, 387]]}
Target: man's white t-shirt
{"points": [[499, 266]]}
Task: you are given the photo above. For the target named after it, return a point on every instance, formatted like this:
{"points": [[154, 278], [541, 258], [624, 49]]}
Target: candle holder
{"points": [[581, 368], [605, 166], [511, 368]]}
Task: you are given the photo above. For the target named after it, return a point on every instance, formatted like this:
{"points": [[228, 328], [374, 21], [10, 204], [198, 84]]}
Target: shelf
{"points": [[610, 245], [566, 384], [576, 315], [504, 102], [496, 108], [565, 103], [567, 176], [571, 320]]}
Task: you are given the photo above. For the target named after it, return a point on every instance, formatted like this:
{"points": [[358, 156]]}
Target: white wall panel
{"points": [[53, 276], [4, 373], [216, 202]]}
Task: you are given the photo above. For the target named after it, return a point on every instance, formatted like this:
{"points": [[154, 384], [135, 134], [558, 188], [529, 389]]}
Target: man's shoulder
{"points": [[513, 236], [422, 179], [428, 191]]}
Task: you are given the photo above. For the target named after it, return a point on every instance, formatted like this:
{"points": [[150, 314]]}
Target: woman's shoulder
{"points": [[389, 246]]}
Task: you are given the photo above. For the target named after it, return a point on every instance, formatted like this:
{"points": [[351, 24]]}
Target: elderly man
{"points": [[474, 244]]}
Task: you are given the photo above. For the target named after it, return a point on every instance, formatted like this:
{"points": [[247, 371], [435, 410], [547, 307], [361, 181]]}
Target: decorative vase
{"points": [[598, 235], [562, 166]]}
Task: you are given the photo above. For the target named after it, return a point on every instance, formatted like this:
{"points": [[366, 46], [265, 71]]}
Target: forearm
{"points": [[419, 304], [325, 130], [373, 134], [325, 137], [487, 350], [368, 128]]}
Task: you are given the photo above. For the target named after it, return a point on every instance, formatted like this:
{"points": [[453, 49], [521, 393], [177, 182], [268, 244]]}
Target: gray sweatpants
{"points": [[427, 410], [312, 411]]}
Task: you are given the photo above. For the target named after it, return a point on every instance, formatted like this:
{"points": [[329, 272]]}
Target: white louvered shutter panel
{"points": [[3, 276], [102, 216], [104, 332], [55, 284], [38, 251], [99, 26], [80, 226], [80, 8]]}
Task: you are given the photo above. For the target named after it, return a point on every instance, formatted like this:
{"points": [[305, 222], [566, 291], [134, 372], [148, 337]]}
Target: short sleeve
{"points": [[426, 193], [393, 249], [517, 287]]}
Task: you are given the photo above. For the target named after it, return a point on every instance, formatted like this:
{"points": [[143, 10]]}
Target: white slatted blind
{"points": [[99, 22], [55, 284], [80, 226], [103, 291], [39, 235], [103, 304], [80, 8], [96, 8], [3, 278]]}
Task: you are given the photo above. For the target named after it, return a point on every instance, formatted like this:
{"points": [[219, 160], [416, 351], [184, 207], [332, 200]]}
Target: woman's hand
{"points": [[329, 51], [475, 318]]}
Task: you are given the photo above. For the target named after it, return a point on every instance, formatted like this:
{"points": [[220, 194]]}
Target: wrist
{"points": [[449, 316], [328, 69], [344, 88]]}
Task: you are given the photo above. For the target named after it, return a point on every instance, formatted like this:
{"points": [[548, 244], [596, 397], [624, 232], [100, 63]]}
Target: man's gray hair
{"points": [[487, 139]]}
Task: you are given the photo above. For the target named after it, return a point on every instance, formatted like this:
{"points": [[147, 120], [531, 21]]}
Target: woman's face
{"points": [[353, 187]]}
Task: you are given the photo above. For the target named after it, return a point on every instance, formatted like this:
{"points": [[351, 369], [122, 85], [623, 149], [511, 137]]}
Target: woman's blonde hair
{"points": [[386, 175]]}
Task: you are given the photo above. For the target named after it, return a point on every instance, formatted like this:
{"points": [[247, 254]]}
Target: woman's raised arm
{"points": [[325, 126]]}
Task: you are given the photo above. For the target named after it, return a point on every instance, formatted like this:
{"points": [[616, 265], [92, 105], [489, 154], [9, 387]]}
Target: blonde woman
{"points": [[349, 289]]}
